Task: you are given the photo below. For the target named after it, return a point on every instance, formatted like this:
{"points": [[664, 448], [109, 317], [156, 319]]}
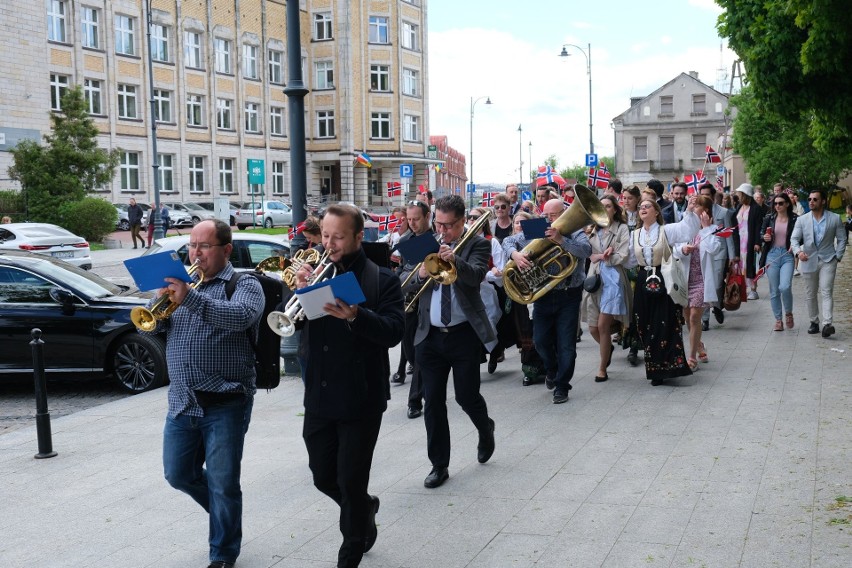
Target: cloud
{"points": [[706, 5]]}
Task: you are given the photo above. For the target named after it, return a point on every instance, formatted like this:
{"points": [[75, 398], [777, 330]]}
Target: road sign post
{"points": [[591, 160], [256, 176]]}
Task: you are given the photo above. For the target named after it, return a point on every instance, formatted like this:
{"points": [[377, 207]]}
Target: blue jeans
{"points": [[555, 320], [780, 274], [217, 440]]}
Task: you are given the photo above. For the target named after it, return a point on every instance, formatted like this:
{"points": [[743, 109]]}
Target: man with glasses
{"points": [[211, 368], [819, 242], [557, 314], [452, 326], [724, 255]]}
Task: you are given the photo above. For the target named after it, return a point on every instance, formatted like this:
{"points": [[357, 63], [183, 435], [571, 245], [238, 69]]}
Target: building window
{"points": [[159, 43], [222, 48], [409, 36], [278, 178], [411, 128], [324, 75], [127, 101], [124, 35], [699, 104], [379, 78], [380, 125], [252, 113], [58, 88], [91, 27], [56, 20], [162, 105], [250, 61], [322, 26], [276, 121], [166, 171], [129, 166], [325, 180], [276, 69], [224, 118], [226, 175], [411, 82], [255, 189], [667, 152], [92, 93], [667, 105], [192, 49], [196, 174], [699, 146], [194, 110], [325, 124], [378, 29], [640, 148]]}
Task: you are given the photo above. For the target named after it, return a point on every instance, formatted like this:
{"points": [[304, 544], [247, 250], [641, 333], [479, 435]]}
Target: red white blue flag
{"points": [[713, 156], [293, 231], [724, 232], [394, 188], [387, 223], [488, 198], [694, 181], [547, 174], [598, 178], [602, 167]]}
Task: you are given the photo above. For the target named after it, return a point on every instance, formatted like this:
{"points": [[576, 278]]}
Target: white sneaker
{"points": [[796, 272], [752, 295]]}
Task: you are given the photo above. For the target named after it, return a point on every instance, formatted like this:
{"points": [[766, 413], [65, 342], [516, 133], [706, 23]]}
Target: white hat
{"points": [[746, 189]]}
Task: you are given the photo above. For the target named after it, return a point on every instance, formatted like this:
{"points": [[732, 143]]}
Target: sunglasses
{"points": [[503, 206], [472, 217], [644, 207], [415, 203], [813, 198], [780, 203]]}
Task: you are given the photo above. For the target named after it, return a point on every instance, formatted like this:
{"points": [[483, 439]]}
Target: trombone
{"points": [[284, 322], [145, 319]]}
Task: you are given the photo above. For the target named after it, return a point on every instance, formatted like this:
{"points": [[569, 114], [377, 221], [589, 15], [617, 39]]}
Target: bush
{"points": [[92, 218], [12, 204]]}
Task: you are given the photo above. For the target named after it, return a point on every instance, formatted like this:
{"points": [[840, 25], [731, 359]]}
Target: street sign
{"points": [[526, 196], [406, 170], [432, 152], [591, 160], [471, 188], [255, 172], [720, 170]]}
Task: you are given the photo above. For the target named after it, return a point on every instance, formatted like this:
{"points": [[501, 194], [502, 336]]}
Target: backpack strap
{"points": [[230, 288]]}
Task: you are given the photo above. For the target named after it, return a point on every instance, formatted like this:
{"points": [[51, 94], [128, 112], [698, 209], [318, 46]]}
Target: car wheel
{"points": [[233, 221], [124, 225], [195, 221], [242, 227], [138, 362], [267, 223]]}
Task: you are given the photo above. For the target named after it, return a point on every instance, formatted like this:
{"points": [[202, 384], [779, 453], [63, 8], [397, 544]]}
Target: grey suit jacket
{"points": [[833, 243], [724, 217], [471, 265]]}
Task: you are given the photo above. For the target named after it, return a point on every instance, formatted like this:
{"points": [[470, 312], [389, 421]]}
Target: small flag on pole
{"points": [[363, 159], [488, 198], [547, 174], [713, 156], [394, 188], [598, 178], [293, 231], [724, 232]]}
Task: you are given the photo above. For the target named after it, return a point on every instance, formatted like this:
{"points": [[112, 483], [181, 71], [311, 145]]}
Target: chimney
{"points": [[693, 74], [635, 100]]}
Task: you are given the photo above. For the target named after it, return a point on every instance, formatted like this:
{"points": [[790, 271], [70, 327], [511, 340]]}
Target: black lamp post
{"points": [[587, 53]]}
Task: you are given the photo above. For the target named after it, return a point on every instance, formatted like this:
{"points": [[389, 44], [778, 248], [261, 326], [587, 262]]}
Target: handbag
{"points": [[592, 283], [653, 284], [734, 290], [675, 278]]}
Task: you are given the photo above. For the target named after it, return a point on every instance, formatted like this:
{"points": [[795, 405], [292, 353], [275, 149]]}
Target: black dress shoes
{"points": [[221, 564], [550, 382], [705, 325], [485, 449], [436, 477], [398, 379], [414, 412], [719, 315], [495, 357], [633, 358], [827, 330], [814, 328], [372, 531]]}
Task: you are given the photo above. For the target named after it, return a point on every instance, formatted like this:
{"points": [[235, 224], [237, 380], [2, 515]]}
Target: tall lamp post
{"points": [[472, 105], [520, 156], [153, 217], [530, 157], [587, 53]]}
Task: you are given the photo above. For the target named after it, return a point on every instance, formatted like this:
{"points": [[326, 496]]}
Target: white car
{"points": [[195, 212], [46, 239], [267, 214], [249, 248]]}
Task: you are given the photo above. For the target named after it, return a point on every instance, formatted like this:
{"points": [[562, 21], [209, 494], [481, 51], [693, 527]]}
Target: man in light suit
{"points": [[819, 241], [451, 327], [722, 217]]}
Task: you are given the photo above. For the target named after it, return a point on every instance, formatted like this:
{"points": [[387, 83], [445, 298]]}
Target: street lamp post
{"points": [[154, 216], [520, 156], [472, 105], [530, 157], [587, 53]]}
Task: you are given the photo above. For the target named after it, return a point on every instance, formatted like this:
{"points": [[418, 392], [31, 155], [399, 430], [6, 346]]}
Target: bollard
{"points": [[45, 443]]}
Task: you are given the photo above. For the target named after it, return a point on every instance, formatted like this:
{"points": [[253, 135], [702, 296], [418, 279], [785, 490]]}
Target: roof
{"points": [[685, 76]]}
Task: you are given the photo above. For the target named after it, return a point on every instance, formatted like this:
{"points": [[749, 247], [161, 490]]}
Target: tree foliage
{"points": [[797, 55], [777, 148], [67, 167]]}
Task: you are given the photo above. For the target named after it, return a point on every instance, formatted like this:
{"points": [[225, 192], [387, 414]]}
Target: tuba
{"points": [[284, 322], [527, 286], [146, 319]]}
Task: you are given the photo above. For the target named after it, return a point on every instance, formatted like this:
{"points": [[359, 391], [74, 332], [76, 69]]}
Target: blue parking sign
{"points": [[591, 160], [406, 170]]}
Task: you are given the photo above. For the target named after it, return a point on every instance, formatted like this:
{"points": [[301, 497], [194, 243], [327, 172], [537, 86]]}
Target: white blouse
{"points": [[680, 232]]}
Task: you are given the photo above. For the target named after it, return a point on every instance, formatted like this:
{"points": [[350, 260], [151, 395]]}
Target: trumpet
{"points": [[284, 322], [146, 319], [286, 268]]}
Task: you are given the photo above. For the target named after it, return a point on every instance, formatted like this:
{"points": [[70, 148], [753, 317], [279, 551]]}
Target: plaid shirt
{"points": [[577, 244], [207, 347]]}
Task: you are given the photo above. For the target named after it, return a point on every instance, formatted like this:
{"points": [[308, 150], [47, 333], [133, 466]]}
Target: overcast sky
{"points": [[508, 51]]}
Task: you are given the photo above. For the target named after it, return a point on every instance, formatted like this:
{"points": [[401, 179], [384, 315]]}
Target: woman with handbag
{"points": [[777, 257], [749, 217], [657, 318], [631, 196], [607, 295], [697, 260]]}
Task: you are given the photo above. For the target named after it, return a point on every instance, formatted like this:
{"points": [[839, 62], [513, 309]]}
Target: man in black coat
{"points": [[134, 217], [346, 380], [666, 206]]}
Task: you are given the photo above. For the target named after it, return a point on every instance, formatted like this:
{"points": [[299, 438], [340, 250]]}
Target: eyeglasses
{"points": [[645, 206], [501, 206], [527, 209], [447, 225], [416, 203], [473, 217], [202, 246]]}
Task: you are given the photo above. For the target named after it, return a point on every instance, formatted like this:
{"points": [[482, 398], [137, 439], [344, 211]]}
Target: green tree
{"points": [[777, 148], [797, 54], [67, 167]]}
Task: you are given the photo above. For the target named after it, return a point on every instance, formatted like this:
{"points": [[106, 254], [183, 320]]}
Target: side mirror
{"points": [[65, 299]]}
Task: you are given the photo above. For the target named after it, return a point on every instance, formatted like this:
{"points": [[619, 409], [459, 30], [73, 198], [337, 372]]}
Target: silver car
{"points": [[196, 212], [267, 214], [46, 239]]}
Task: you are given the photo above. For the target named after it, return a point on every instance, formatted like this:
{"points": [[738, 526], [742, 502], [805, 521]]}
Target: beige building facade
{"points": [[219, 70]]}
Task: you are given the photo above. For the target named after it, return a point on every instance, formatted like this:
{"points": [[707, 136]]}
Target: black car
{"points": [[85, 321]]}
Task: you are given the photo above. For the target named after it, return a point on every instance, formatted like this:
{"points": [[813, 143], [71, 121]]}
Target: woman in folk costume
{"points": [[697, 261], [657, 318]]}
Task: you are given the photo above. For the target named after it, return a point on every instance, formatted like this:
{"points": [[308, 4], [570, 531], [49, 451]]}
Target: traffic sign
{"points": [[256, 173], [720, 170], [526, 196], [406, 170], [432, 152], [591, 160], [471, 188]]}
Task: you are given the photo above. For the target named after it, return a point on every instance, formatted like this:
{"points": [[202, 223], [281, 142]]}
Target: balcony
{"points": [[666, 166]]}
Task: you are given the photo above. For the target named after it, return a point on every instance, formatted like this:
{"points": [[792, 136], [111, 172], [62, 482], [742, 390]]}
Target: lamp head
{"points": [[488, 100], [564, 52]]}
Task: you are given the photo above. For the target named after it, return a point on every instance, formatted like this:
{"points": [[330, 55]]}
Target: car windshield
{"points": [[69, 275], [44, 231]]}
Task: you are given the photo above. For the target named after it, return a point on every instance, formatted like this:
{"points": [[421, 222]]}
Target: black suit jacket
{"points": [[667, 209]]}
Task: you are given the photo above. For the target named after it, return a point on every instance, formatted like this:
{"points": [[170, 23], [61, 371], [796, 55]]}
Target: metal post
{"points": [[530, 157], [589, 70], [296, 92], [45, 443], [520, 156], [473, 104], [154, 216]]}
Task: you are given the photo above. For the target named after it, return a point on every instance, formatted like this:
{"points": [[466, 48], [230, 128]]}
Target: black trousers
{"points": [[340, 454], [458, 350], [415, 390]]}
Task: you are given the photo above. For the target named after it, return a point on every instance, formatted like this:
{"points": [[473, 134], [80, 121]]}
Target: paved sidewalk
{"points": [[740, 465]]}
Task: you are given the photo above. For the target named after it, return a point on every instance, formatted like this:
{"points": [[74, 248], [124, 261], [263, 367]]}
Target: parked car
{"points": [[265, 213], [234, 206], [46, 239], [177, 219], [84, 319], [249, 248], [195, 211], [123, 223]]}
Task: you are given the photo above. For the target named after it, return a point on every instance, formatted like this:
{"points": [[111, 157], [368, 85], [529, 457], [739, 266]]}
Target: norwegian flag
{"points": [[602, 167], [598, 178], [422, 189], [387, 223], [293, 231], [488, 198], [720, 183], [394, 188], [546, 175], [713, 156], [694, 181], [759, 274], [724, 232]]}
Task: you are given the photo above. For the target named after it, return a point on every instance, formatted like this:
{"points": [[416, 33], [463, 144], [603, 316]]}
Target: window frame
{"points": [[223, 60], [90, 30], [667, 102], [410, 78], [167, 183], [323, 28], [226, 175], [636, 146], [279, 111], [58, 88], [667, 142], [411, 130], [161, 102], [699, 103], [379, 29], [275, 66], [93, 96], [193, 57], [410, 35], [127, 93], [196, 174], [324, 75], [278, 177], [125, 38], [161, 52], [250, 61], [380, 125], [325, 122], [191, 104], [380, 73], [699, 149], [224, 109], [128, 171], [252, 122], [57, 21]]}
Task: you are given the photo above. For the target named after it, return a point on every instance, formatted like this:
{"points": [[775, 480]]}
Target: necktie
{"points": [[446, 304]]}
